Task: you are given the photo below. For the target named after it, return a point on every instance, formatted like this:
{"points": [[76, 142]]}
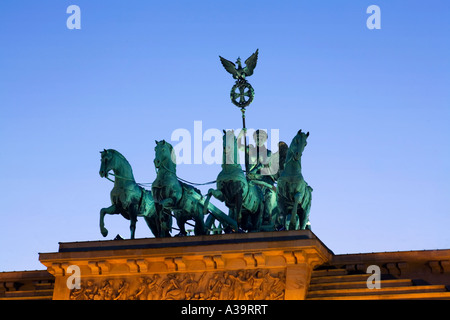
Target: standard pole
{"points": [[245, 140]]}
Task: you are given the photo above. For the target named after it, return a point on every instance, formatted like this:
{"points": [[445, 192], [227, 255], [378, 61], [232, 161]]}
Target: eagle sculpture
{"points": [[238, 72]]}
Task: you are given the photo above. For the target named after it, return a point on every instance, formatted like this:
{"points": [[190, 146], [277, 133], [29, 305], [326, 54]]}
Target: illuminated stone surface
{"points": [[268, 265]]}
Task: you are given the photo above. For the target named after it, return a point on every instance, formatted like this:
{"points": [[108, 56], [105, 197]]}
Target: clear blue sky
{"points": [[376, 104]]}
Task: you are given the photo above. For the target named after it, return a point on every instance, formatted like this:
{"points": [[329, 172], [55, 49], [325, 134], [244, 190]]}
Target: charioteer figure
{"points": [[264, 168], [259, 157]]}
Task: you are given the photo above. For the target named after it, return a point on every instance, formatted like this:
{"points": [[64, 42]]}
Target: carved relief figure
{"points": [[154, 289], [122, 292], [255, 284]]}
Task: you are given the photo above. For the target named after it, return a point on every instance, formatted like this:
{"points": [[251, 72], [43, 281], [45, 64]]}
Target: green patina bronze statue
{"points": [[293, 193], [249, 198], [169, 193], [264, 169], [264, 197], [129, 199], [243, 197], [185, 201], [242, 93]]}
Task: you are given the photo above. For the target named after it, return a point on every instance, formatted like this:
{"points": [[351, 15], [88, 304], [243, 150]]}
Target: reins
{"points": [[147, 184], [187, 181], [140, 201]]}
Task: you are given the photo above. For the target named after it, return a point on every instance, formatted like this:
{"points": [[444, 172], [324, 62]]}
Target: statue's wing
{"points": [[229, 66], [282, 150], [250, 64], [279, 156]]}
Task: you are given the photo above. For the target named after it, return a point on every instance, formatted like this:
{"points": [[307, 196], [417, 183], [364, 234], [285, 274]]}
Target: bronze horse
{"points": [[293, 193], [244, 199], [128, 198], [185, 201]]}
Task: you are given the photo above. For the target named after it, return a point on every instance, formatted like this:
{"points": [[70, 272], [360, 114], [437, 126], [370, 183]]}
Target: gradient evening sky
{"points": [[376, 104]]}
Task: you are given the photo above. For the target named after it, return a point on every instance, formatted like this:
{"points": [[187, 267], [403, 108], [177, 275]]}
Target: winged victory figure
{"points": [[239, 72]]}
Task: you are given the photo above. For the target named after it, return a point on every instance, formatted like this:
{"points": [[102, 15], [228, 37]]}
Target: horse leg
{"points": [[110, 210], [305, 208], [151, 218], [159, 212], [305, 218], [133, 220], [151, 223], [166, 223], [292, 224], [180, 222], [199, 228], [132, 227], [238, 210], [212, 193], [256, 226], [280, 220], [231, 202], [228, 228], [269, 203], [164, 217]]}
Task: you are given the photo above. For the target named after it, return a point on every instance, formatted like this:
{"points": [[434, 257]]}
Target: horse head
{"points": [[113, 160], [107, 159], [230, 148], [298, 144], [163, 152]]}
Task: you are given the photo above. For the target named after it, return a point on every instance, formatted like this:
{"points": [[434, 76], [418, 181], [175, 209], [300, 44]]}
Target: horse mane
{"points": [[288, 152], [124, 160], [117, 153], [282, 153]]}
